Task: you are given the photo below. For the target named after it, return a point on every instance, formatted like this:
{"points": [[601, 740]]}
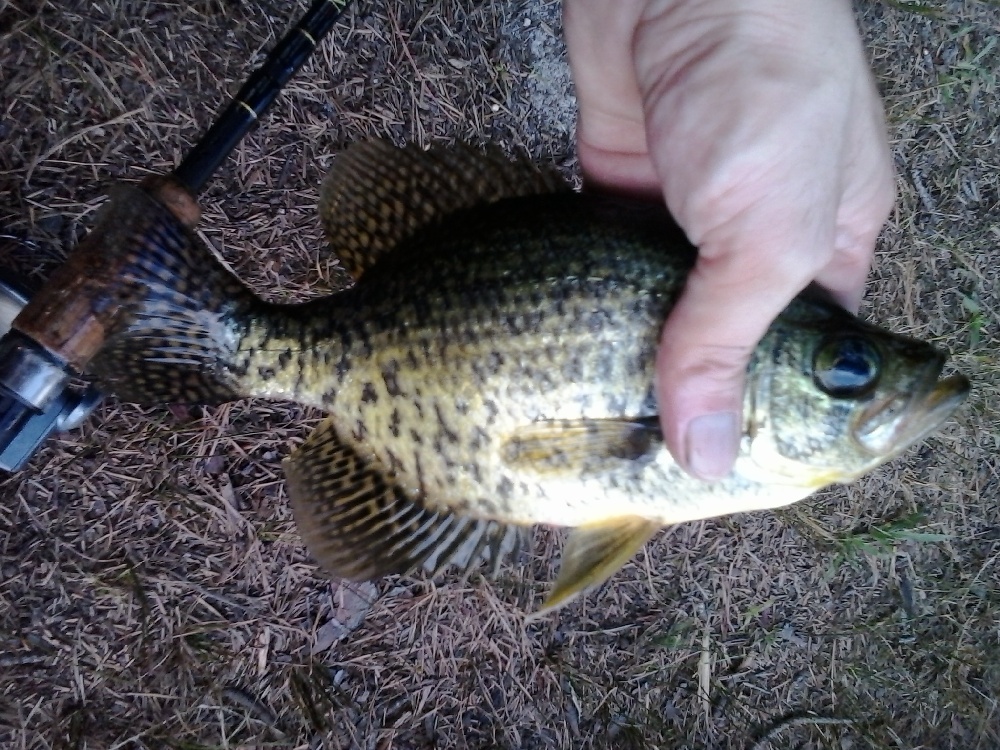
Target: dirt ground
{"points": [[153, 592]]}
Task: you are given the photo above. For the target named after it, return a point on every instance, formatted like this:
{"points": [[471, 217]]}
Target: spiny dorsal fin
{"points": [[377, 195], [358, 523], [593, 554], [581, 445]]}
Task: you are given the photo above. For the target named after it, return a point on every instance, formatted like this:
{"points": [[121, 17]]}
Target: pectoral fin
{"points": [[581, 445], [593, 554], [359, 523]]}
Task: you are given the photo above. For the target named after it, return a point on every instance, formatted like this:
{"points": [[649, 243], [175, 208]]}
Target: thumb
{"points": [[725, 309]]}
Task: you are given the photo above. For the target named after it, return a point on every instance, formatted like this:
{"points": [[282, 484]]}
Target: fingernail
{"points": [[712, 443]]}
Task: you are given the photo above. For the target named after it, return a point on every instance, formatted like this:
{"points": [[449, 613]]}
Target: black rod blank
{"points": [[257, 94]]}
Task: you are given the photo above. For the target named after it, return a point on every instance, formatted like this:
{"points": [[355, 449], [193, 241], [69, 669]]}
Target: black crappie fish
{"points": [[493, 368]]}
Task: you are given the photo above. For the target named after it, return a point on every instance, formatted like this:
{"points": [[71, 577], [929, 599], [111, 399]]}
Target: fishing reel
{"points": [[34, 398], [49, 337]]}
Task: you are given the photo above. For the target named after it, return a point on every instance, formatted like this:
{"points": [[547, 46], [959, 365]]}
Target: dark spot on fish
{"points": [[389, 371], [450, 435], [416, 437], [411, 360], [420, 475], [505, 489], [265, 373], [266, 339], [573, 369], [299, 379], [343, 367], [285, 357], [368, 394], [360, 431], [468, 334], [649, 405], [394, 423], [479, 439], [395, 465], [494, 362], [328, 398], [492, 411], [366, 346], [461, 406]]}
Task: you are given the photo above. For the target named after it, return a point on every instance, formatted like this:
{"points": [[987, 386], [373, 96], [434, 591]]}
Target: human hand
{"points": [[759, 123]]}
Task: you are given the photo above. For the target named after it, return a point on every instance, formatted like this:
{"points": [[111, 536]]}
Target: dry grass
{"points": [[152, 589]]}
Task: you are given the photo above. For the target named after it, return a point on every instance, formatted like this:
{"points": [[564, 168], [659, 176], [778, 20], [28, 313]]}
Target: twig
{"points": [[798, 721]]}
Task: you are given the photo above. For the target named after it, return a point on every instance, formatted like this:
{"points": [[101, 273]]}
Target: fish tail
{"points": [[184, 310]]}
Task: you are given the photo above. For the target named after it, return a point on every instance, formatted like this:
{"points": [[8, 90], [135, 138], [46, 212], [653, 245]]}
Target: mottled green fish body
{"points": [[493, 368]]}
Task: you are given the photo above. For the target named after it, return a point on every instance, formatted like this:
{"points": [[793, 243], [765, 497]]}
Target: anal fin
{"points": [[593, 554], [358, 523]]}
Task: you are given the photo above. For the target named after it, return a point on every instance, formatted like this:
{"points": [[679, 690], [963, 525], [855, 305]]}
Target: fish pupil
{"points": [[846, 366]]}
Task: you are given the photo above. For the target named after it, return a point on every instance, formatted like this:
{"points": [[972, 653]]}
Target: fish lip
{"points": [[881, 432]]}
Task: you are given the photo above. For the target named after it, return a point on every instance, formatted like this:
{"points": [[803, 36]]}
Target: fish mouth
{"points": [[892, 424]]}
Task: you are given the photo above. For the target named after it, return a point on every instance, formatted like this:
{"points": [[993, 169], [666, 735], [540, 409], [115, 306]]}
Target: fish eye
{"points": [[846, 366]]}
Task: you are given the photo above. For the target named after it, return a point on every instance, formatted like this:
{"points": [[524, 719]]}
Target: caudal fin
{"points": [[184, 310]]}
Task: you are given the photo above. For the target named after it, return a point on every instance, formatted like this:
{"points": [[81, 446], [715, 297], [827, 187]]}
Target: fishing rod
{"points": [[60, 328]]}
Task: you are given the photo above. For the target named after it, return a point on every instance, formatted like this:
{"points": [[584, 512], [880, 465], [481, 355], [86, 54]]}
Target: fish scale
{"points": [[493, 367]]}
